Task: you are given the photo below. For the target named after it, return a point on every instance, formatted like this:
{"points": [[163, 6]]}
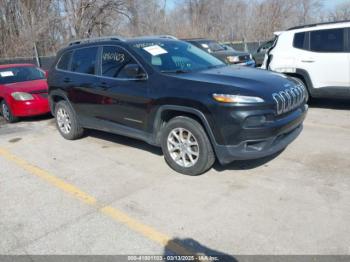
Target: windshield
{"points": [[20, 74], [212, 46], [175, 56]]}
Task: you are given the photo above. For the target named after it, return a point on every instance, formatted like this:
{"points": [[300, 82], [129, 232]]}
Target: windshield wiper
{"points": [[178, 71]]}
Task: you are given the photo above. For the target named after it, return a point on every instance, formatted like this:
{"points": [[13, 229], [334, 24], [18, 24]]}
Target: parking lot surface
{"points": [[107, 194]]}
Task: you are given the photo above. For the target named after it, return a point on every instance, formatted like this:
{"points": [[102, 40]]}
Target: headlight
{"points": [[224, 98], [232, 59], [21, 96]]}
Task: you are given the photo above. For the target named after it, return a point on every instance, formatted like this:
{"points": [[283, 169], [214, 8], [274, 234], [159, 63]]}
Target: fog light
{"points": [[255, 121]]}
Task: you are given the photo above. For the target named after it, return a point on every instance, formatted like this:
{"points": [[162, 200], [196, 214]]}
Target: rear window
{"points": [[84, 60], [64, 61], [299, 40], [20, 74], [330, 40]]}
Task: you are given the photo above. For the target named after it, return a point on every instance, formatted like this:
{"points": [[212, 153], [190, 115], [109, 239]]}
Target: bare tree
{"points": [[51, 23]]}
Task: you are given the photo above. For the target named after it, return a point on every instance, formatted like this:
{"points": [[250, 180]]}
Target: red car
{"points": [[23, 91]]}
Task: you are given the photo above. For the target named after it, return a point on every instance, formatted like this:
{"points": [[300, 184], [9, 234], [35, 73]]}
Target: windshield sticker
{"points": [[6, 74], [155, 50], [143, 45]]}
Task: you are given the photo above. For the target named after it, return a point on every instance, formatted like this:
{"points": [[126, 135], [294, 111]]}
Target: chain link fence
{"points": [[249, 47], [45, 62]]}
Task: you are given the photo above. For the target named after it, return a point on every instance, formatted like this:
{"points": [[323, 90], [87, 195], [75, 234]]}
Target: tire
{"points": [[197, 153], [7, 113], [66, 121], [307, 88]]}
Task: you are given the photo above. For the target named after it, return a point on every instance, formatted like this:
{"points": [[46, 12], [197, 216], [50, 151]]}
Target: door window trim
{"points": [[71, 60], [119, 78], [328, 52]]}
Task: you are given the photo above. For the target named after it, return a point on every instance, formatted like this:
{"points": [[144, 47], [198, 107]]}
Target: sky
{"points": [[332, 3]]}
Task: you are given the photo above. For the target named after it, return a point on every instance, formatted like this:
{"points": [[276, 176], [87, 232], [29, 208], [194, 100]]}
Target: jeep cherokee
{"points": [[172, 94]]}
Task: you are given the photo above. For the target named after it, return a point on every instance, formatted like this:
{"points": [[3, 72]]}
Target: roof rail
{"points": [[167, 36], [95, 39], [156, 36], [312, 25]]}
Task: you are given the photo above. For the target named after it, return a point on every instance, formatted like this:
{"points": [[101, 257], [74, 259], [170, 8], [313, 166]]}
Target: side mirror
{"points": [[134, 71]]}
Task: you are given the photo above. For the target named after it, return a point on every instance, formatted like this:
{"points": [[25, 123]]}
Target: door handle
{"points": [[66, 80]]}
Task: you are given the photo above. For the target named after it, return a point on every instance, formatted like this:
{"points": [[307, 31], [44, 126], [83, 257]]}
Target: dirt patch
{"points": [[14, 140]]}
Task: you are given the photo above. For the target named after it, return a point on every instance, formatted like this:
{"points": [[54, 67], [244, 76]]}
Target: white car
{"points": [[318, 54]]}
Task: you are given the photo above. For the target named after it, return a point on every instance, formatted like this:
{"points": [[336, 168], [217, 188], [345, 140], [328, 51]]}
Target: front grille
{"points": [[44, 95], [289, 99], [39, 91], [243, 58]]}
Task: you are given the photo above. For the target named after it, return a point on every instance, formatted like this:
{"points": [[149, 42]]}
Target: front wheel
{"points": [[186, 146], [7, 113]]}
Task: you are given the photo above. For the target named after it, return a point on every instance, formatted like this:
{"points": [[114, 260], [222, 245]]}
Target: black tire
{"points": [[300, 79], [206, 157], [75, 131], [8, 116]]}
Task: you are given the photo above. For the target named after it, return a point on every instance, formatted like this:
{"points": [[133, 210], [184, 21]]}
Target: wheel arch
{"points": [[304, 76], [55, 97], [167, 112]]}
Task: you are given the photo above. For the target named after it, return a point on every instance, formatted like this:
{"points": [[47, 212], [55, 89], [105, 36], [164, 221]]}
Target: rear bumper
{"points": [[277, 137], [30, 108]]}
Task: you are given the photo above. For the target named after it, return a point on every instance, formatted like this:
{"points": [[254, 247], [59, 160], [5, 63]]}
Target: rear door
{"points": [[80, 81], [327, 60]]}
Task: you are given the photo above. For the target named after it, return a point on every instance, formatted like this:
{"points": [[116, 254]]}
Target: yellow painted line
{"points": [[115, 214]]}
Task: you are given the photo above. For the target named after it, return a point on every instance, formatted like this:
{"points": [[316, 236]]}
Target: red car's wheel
{"points": [[7, 113]]}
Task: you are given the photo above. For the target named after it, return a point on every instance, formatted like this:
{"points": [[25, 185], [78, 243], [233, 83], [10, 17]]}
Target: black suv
{"points": [[172, 94]]}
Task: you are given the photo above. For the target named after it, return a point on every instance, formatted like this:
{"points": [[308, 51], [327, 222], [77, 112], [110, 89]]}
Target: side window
{"points": [[84, 60], [299, 40], [64, 61], [114, 61], [331, 40]]}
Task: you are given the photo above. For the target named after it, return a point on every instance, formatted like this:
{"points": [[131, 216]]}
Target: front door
{"points": [[123, 99]]}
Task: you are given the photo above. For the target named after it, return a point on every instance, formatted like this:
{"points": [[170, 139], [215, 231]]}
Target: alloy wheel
{"points": [[183, 147], [63, 121], [5, 111]]}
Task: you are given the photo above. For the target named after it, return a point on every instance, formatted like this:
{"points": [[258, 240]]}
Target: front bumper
{"points": [[273, 138], [37, 106]]}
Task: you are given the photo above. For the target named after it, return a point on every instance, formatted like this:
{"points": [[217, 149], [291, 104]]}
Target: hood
{"points": [[27, 86], [242, 80]]}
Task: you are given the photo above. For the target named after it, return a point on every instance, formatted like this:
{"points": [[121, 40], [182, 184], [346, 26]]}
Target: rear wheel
{"points": [[7, 113], [66, 121], [186, 146]]}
